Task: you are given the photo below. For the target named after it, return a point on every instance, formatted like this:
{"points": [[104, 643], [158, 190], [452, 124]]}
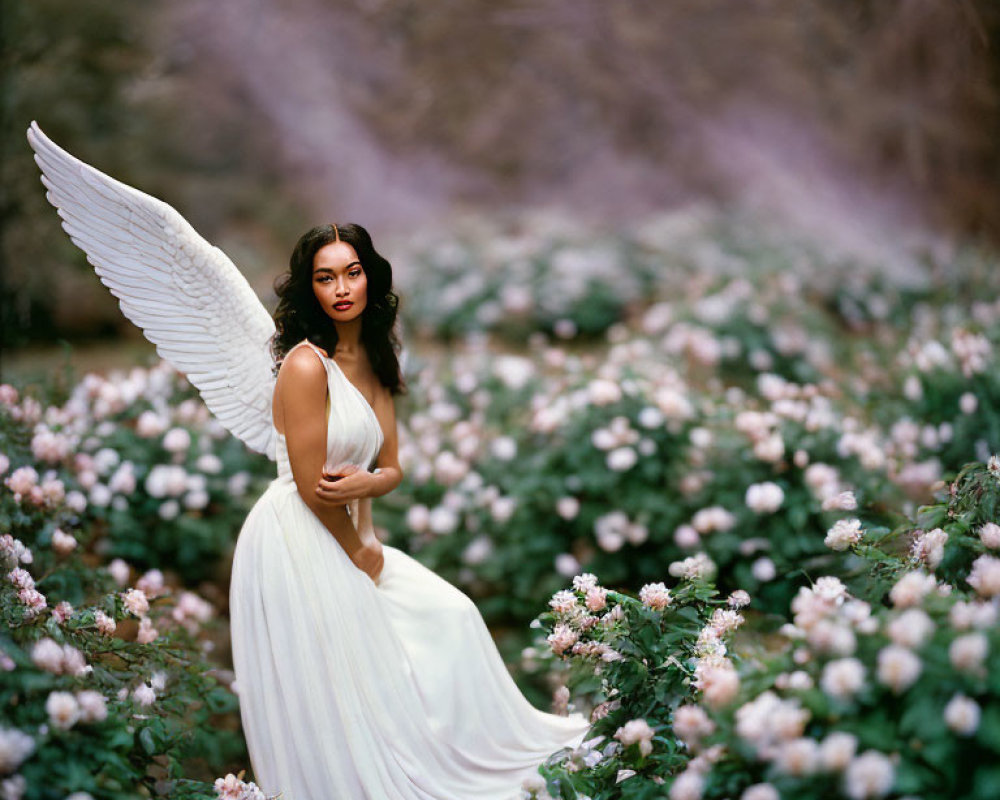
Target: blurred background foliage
{"points": [[872, 123]]}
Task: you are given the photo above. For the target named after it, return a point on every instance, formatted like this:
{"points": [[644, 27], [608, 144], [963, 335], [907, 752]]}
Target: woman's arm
{"points": [[300, 402], [354, 482]]}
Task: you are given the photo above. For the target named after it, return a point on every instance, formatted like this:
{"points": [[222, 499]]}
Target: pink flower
{"points": [[147, 633], [844, 534], [105, 624], [911, 589], [562, 638], [33, 600], [62, 612], [597, 598], [985, 576], [739, 599], [21, 481], [655, 596], [962, 715], [563, 602], [136, 602], [119, 571], [63, 543], [46, 654], [989, 535], [719, 685], [870, 775], [637, 731], [144, 695], [63, 710], [898, 668], [151, 583], [21, 578], [93, 707], [691, 724]]}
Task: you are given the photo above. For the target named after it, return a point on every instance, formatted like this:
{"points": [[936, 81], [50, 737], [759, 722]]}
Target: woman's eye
{"points": [[355, 273]]}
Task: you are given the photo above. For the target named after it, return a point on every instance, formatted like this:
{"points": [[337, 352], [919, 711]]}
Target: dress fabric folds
{"points": [[352, 690]]}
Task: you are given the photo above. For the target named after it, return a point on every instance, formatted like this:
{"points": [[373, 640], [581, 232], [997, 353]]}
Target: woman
{"points": [[361, 674]]}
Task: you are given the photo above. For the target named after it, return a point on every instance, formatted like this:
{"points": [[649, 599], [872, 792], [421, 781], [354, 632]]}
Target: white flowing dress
{"points": [[352, 690]]}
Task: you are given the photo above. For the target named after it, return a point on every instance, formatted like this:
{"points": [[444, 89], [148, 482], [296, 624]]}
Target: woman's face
{"points": [[339, 282]]}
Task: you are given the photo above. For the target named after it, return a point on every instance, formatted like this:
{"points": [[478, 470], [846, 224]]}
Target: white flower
{"points": [[689, 785], [136, 602], [989, 535], [176, 440], [764, 498], [842, 501], [621, 459], [898, 668], [911, 589], [442, 520], [567, 565], [504, 448], [63, 710], [655, 595], [760, 791], [837, 750], [144, 695], [797, 756], [418, 517], [843, 678], [763, 569], [637, 731], [119, 571], [697, 567], [567, 507], [985, 576], [911, 628], [843, 534], [585, 582], [962, 715], [870, 775], [149, 425], [967, 653], [15, 747], [968, 403], [93, 707], [502, 509], [63, 543]]}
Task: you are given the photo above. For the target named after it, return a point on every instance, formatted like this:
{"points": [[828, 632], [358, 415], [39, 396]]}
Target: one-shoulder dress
{"points": [[352, 690]]}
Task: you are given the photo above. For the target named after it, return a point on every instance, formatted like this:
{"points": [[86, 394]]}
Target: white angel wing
{"points": [[187, 296]]}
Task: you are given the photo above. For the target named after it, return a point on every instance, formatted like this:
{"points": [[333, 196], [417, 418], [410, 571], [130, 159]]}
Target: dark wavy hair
{"points": [[299, 315]]}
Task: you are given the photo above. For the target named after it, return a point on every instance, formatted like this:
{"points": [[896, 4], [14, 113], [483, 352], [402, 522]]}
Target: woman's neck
{"points": [[348, 338]]}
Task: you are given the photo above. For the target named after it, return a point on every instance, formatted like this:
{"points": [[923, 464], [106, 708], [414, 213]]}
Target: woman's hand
{"points": [[369, 558], [343, 483]]}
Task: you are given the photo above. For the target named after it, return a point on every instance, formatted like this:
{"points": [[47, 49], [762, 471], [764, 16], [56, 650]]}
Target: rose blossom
{"points": [[764, 498], [842, 501], [119, 571], [562, 638], [739, 599], [719, 685], [911, 628], [763, 569], [870, 775], [93, 707], [63, 543], [597, 598], [47, 654], [105, 624], [985, 576], [760, 791], [910, 589], [563, 602], [837, 750], [144, 695], [843, 678], [929, 547], [843, 534], [655, 596], [567, 507], [147, 633], [62, 612], [967, 653], [989, 535], [63, 710], [797, 756], [962, 715], [691, 724], [636, 731], [15, 747], [898, 668], [136, 602]]}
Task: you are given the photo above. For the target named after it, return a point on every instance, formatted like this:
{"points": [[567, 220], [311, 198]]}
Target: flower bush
{"points": [[849, 699], [105, 687]]}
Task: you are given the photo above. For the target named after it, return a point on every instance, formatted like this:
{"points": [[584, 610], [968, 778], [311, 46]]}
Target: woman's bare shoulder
{"points": [[301, 365]]}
